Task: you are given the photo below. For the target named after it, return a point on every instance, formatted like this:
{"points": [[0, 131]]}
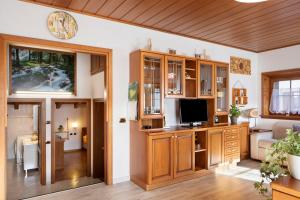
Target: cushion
{"points": [[296, 128], [280, 127], [266, 143]]}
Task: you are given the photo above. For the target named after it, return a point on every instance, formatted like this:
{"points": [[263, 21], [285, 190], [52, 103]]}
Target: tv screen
{"points": [[193, 110]]}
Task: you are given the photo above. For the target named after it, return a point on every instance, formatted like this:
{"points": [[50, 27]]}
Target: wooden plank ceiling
{"points": [[256, 27]]}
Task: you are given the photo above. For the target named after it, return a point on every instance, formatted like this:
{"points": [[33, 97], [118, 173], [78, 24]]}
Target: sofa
{"points": [[262, 141]]}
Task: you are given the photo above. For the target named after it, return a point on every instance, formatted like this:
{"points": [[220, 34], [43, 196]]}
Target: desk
{"points": [[286, 188]]}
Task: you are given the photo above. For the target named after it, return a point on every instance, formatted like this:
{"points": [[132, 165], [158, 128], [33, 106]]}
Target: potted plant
{"points": [[283, 151], [234, 114]]}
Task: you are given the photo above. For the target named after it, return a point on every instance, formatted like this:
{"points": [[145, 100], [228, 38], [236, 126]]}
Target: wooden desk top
{"points": [[287, 185]]}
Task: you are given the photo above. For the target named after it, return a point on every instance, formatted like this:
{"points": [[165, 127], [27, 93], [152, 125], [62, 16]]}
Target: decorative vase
{"points": [[293, 164], [233, 120]]}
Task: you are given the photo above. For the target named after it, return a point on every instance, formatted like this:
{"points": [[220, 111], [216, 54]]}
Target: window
{"points": [[285, 98], [281, 94]]}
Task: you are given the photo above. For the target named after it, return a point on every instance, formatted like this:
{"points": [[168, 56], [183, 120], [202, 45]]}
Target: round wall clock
{"points": [[62, 25]]}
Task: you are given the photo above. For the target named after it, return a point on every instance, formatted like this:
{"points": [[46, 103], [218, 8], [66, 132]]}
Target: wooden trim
{"points": [[3, 118], [42, 125], [283, 117], [53, 107], [5, 40]]}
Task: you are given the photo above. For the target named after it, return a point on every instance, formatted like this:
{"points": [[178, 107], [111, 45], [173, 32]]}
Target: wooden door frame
{"points": [[74, 101], [5, 40], [42, 124]]}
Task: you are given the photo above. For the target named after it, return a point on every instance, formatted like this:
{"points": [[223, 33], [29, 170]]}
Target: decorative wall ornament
{"points": [[240, 65], [62, 25]]}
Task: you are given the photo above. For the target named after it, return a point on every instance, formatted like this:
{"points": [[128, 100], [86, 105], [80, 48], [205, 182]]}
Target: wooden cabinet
{"points": [[151, 97], [191, 78], [170, 156], [215, 147], [174, 77], [286, 188], [222, 88], [161, 158], [184, 156], [245, 141], [206, 79]]}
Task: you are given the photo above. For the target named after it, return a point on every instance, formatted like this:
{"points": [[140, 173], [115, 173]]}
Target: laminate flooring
{"points": [[19, 187], [218, 186]]}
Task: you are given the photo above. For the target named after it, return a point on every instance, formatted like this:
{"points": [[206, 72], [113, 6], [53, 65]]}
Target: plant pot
{"points": [[293, 164], [233, 120]]}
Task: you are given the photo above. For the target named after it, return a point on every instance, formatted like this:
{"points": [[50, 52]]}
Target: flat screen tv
{"points": [[193, 111]]}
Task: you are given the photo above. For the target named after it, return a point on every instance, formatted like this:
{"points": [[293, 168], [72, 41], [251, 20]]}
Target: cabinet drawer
{"points": [[232, 143], [231, 151], [231, 136]]}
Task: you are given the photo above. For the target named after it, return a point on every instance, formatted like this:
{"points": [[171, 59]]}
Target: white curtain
{"points": [[285, 100]]}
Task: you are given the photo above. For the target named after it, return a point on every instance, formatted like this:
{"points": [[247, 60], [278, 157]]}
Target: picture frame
{"points": [[240, 65], [36, 70]]}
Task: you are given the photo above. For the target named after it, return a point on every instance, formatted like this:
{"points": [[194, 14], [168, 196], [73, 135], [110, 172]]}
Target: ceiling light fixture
{"points": [[250, 1]]}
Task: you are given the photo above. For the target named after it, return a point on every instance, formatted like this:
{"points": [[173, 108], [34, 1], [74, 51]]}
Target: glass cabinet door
{"points": [[152, 83], [222, 88], [206, 79], [174, 77]]}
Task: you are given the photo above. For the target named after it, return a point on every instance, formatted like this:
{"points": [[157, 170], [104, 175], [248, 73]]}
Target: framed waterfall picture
{"points": [[35, 70]]}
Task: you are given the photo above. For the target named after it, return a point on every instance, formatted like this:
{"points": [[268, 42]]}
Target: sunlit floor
{"points": [[212, 187], [246, 169], [19, 187]]}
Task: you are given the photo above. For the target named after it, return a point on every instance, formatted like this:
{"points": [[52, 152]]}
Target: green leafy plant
{"points": [[273, 167], [234, 111]]}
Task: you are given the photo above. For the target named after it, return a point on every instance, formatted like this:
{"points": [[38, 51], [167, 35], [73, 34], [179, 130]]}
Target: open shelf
{"points": [[190, 78], [200, 152]]}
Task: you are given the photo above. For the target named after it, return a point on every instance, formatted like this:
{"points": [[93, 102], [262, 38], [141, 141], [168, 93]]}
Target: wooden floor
{"points": [[19, 187], [212, 187], [75, 163]]}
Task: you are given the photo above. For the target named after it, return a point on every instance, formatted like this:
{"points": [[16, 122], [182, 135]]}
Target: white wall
{"points": [[279, 59], [30, 20], [74, 115], [98, 86]]}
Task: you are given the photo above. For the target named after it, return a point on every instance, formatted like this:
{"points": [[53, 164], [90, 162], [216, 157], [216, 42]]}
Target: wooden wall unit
{"points": [[159, 156], [201, 79]]}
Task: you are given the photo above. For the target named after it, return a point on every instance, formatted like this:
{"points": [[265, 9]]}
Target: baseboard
{"points": [[121, 179]]}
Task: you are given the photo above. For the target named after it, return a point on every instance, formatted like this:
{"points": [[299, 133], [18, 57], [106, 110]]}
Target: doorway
{"points": [[26, 153], [98, 139], [71, 139], [5, 41]]}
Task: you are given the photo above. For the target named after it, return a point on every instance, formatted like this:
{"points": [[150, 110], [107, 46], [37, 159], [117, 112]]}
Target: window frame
{"points": [[267, 82]]}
